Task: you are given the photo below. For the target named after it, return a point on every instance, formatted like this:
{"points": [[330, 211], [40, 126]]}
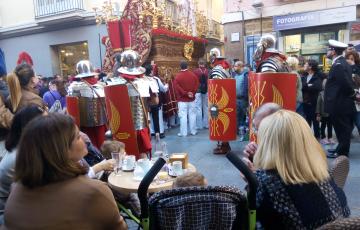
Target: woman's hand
{"points": [[250, 149], [105, 165]]}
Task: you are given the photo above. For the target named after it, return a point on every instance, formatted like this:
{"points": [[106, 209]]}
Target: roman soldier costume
{"points": [[128, 116], [222, 103], [272, 81], [86, 103]]}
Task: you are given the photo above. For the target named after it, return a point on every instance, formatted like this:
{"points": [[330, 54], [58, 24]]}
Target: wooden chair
{"points": [[340, 170]]}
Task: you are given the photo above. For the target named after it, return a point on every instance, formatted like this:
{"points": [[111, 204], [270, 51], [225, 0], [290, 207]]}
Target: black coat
{"points": [[339, 90], [312, 89]]}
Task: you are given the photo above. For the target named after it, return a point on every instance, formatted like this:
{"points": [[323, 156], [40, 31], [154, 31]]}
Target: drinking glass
{"points": [[116, 156]]}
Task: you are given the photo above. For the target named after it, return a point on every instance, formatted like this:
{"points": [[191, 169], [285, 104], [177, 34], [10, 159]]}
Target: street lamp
{"points": [[258, 5]]}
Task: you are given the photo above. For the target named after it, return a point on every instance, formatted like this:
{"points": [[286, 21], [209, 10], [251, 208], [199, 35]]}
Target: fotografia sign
{"points": [[315, 18]]}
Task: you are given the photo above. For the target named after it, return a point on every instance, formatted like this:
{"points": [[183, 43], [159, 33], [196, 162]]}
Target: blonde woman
{"points": [[295, 190], [21, 86], [293, 63]]}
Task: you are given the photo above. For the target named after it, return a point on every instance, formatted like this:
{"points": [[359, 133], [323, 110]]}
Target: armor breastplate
{"points": [[138, 113], [273, 64], [91, 108]]}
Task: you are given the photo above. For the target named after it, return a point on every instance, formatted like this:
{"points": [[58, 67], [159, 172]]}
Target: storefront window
{"points": [[293, 44], [70, 54], [309, 45]]}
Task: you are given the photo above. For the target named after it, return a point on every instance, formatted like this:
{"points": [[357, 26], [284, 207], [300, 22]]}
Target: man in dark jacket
{"points": [[339, 98]]}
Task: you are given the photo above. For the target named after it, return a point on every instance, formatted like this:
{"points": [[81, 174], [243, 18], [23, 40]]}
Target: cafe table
{"points": [[125, 183]]}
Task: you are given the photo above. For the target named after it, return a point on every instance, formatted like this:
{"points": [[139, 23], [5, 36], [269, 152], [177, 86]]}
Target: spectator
{"points": [[56, 92], [293, 63], [241, 76], [94, 160], [295, 190], [5, 114], [311, 86], [153, 100], [112, 146], [21, 86], [201, 96], [93, 155], [262, 112], [163, 89], [7, 165], [190, 179], [353, 59], [186, 84], [43, 85], [324, 117], [131, 200], [49, 176]]}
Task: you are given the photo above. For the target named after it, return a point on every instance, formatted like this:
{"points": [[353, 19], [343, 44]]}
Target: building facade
{"points": [[302, 28], [59, 33]]}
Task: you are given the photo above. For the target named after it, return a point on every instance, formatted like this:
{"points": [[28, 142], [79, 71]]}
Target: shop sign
{"points": [[315, 18], [355, 28], [252, 39], [235, 37]]}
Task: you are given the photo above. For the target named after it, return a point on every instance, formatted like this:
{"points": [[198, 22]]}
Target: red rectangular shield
{"points": [[72, 107], [119, 112], [222, 109], [279, 88]]}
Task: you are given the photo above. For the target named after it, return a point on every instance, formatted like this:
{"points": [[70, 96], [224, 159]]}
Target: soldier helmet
{"points": [[215, 53], [130, 63], [84, 69], [266, 42]]}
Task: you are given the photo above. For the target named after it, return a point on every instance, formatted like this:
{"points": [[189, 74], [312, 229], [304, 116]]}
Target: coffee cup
{"points": [[144, 164], [177, 168], [129, 162], [139, 173]]}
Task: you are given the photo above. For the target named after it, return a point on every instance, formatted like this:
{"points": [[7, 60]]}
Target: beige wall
{"points": [[13, 15], [278, 7]]}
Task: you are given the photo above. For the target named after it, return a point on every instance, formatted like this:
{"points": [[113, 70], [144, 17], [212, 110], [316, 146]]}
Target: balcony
{"points": [[214, 30], [48, 8]]}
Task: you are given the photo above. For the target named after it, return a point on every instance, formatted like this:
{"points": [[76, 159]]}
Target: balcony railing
{"points": [[45, 8], [214, 29]]}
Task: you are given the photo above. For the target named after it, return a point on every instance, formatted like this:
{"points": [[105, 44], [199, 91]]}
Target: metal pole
{"points": [[260, 22], [100, 51]]}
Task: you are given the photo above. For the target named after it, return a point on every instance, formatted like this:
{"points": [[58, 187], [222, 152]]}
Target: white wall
{"points": [[38, 46], [16, 12]]}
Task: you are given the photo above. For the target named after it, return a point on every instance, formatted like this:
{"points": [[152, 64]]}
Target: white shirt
{"points": [[333, 61], [308, 78]]}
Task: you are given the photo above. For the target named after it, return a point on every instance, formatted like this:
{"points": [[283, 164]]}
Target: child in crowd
{"points": [[112, 146], [190, 179], [95, 160], [131, 200], [324, 118]]}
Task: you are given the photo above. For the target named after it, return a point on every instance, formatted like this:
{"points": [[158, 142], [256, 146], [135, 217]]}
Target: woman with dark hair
{"points": [[7, 164], [52, 190], [56, 92], [21, 87], [311, 87], [352, 57]]}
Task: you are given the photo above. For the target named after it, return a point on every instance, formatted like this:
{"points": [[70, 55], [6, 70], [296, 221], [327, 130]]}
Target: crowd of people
{"points": [[49, 164]]}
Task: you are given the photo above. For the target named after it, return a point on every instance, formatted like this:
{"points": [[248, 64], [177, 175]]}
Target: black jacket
{"points": [[312, 89], [339, 90]]}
